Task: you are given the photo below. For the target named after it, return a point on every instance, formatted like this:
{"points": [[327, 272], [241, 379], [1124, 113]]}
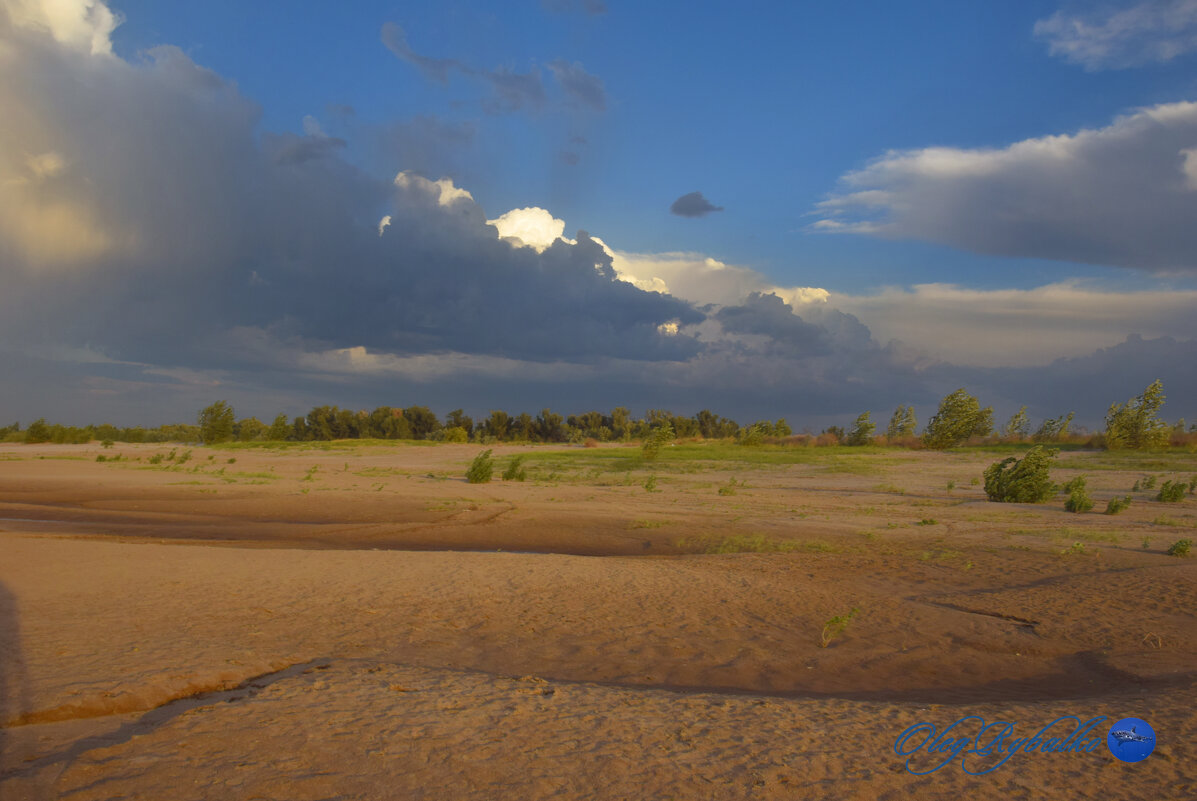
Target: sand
{"points": [[378, 628]]}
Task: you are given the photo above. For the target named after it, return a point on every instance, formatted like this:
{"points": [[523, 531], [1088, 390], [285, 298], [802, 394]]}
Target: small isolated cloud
{"points": [[1122, 195], [580, 86], [592, 7], [693, 205], [1156, 31]]}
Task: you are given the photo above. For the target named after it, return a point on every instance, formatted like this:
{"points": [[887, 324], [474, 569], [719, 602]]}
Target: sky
{"points": [[790, 210]]}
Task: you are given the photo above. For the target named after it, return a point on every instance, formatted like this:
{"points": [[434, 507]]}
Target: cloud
{"points": [[1120, 195], [1019, 327], [591, 7], [580, 87], [509, 90], [85, 26], [693, 205], [434, 69], [168, 222], [1156, 31]]}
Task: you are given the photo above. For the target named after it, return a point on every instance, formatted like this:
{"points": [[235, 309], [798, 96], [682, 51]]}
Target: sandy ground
{"points": [[378, 628]]}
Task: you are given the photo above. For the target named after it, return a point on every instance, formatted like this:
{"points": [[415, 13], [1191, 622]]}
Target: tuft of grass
{"points": [[481, 469], [651, 484], [927, 521], [1146, 543], [729, 488], [232, 460], [1180, 548], [1076, 549], [1117, 505], [835, 626], [951, 485]]}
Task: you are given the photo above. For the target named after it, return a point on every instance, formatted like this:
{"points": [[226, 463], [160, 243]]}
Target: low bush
{"points": [[1025, 480], [515, 469], [481, 468], [1172, 491], [1180, 548], [1117, 505], [1078, 500]]}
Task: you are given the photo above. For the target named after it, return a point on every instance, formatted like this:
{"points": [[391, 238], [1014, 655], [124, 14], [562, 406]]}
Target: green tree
{"points": [[902, 423], [1136, 423], [497, 425], [1054, 429], [862, 431], [279, 429], [660, 436], [422, 421], [216, 423], [459, 419], [959, 417], [38, 431], [550, 426], [1018, 426], [250, 429]]}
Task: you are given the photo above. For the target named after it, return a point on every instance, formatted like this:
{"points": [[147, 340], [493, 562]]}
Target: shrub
{"points": [[960, 416], [1136, 423], [1117, 505], [1078, 500], [515, 469], [480, 469], [37, 432], [1025, 480], [651, 484], [590, 442], [753, 435], [862, 431], [660, 436], [452, 434], [1172, 491], [1180, 548], [1053, 429], [1018, 425]]}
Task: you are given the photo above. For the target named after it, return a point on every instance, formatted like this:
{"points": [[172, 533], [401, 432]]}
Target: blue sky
{"points": [[911, 197], [762, 110]]}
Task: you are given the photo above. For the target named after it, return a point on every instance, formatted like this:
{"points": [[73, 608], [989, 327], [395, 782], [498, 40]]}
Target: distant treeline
{"points": [[959, 419]]}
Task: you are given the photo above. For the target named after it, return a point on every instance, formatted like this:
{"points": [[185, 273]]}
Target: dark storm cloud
{"points": [[693, 205], [183, 228], [768, 316]]}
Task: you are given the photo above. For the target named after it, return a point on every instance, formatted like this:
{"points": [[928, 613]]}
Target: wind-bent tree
{"points": [[902, 423], [1136, 423], [216, 423], [862, 431], [960, 416]]}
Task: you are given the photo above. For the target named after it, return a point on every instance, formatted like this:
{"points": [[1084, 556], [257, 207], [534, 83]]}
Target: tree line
{"points": [[960, 418]]}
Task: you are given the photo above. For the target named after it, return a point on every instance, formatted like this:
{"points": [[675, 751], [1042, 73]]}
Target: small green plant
{"points": [[660, 436], [1076, 549], [927, 521], [106, 443], [753, 436], [1193, 485], [1180, 548], [1117, 505], [1135, 486], [651, 484], [101, 458], [515, 469], [1172, 492], [729, 488], [835, 626], [311, 474], [1026, 480], [481, 468], [156, 458], [1146, 543], [1078, 500], [951, 486], [1148, 483], [183, 457], [232, 460]]}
